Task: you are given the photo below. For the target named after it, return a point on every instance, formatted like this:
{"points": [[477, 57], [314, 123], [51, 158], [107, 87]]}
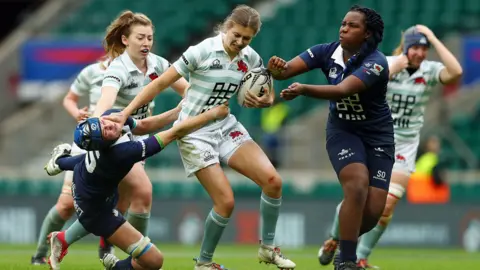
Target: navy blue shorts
{"points": [[98, 217], [344, 148]]}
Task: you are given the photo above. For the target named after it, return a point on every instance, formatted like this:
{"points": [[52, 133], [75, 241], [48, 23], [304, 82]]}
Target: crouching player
{"points": [[111, 154]]}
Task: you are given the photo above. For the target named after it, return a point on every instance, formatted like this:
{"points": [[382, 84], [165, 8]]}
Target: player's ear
{"points": [[125, 40], [368, 34]]}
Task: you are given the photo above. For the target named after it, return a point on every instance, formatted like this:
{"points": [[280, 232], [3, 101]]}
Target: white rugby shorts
{"points": [[212, 144], [405, 155]]}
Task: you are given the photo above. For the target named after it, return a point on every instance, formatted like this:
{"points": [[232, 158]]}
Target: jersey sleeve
{"points": [[115, 76], [256, 60], [190, 60], [315, 56], [372, 71], [162, 64], [82, 83], [135, 151], [435, 70], [391, 59]]}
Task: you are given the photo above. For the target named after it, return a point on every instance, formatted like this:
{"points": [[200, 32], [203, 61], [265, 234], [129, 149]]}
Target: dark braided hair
{"points": [[373, 23]]}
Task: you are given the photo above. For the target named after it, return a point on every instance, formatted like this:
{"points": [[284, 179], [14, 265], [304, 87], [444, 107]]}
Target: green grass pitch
{"points": [[84, 257]]}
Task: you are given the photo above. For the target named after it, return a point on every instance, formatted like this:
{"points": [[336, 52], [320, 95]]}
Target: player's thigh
{"points": [[250, 160], [215, 182], [137, 181], [124, 197], [66, 199], [380, 165], [98, 216], [346, 152], [404, 166], [199, 150]]}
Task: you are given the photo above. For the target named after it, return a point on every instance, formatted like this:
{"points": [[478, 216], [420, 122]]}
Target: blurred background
{"points": [[45, 43]]}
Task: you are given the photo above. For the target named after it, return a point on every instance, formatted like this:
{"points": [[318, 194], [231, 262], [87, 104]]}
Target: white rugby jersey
{"points": [[123, 75], [213, 77], [408, 95], [89, 82]]}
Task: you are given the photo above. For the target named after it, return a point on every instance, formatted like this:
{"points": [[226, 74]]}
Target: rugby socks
{"points": [[52, 222], [348, 251], [334, 232], [369, 240], [139, 221], [269, 212], [214, 226], [125, 264], [75, 232]]}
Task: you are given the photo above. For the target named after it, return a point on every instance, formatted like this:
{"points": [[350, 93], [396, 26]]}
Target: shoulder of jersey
{"points": [[378, 57], [117, 61], [428, 64], [328, 48]]}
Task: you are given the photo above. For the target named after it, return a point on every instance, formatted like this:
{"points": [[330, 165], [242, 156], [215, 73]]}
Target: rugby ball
{"points": [[257, 81]]}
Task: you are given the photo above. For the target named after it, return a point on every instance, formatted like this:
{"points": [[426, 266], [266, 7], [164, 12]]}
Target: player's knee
{"points": [[273, 186], [155, 260], [141, 195], [356, 191], [65, 207], [224, 206]]}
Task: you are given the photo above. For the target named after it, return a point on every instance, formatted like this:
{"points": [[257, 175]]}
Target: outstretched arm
{"points": [[154, 123], [154, 88], [138, 150], [68, 163], [350, 86]]}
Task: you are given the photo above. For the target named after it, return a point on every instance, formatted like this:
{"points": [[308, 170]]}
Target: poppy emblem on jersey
{"points": [[400, 158], [235, 134], [242, 66], [153, 76], [420, 80]]}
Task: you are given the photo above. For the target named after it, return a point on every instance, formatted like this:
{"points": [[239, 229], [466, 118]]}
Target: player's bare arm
{"points": [[154, 88], [70, 103], [453, 70], [154, 123], [109, 95], [350, 86], [282, 70], [191, 124]]}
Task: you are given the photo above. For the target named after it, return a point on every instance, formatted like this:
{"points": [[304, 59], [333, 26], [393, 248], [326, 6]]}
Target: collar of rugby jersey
{"points": [[132, 67], [124, 138], [337, 56], [218, 46]]}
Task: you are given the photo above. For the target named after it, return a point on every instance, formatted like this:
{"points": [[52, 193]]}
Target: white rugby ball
{"points": [[257, 81]]}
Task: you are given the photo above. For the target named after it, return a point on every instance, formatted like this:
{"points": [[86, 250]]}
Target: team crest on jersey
{"points": [[132, 85], [242, 66], [420, 80], [153, 76], [376, 69], [216, 64], [333, 73]]}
